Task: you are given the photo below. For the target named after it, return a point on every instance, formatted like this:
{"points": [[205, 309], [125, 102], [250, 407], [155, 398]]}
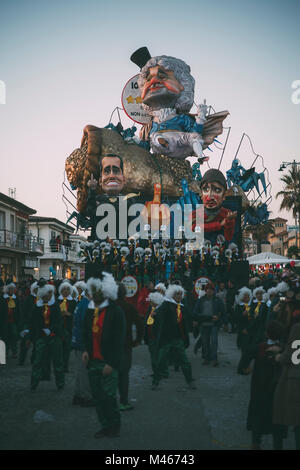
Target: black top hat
{"points": [[140, 57]]}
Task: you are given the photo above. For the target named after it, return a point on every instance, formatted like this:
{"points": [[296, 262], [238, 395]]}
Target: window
{"points": [[12, 222], [21, 226], [2, 220]]}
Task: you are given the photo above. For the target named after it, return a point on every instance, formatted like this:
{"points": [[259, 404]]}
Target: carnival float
{"points": [[161, 171]]}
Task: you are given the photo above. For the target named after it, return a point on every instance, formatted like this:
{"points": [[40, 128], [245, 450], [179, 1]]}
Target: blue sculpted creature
{"points": [[246, 179], [256, 215]]}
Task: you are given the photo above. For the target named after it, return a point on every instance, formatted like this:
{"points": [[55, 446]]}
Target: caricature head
{"points": [[166, 82], [112, 179], [213, 187]]}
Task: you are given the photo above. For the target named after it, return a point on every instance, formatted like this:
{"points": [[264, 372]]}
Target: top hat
{"points": [[140, 57]]}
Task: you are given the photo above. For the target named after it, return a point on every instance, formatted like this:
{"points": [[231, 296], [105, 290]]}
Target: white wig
{"points": [[257, 290], [45, 290], [107, 286], [81, 285], [174, 289], [182, 73], [265, 297], [161, 286], [272, 291], [242, 292], [33, 287], [9, 286], [232, 246], [67, 285], [124, 251], [156, 298], [282, 287]]}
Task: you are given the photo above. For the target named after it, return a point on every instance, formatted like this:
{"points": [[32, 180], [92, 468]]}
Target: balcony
{"points": [[14, 241], [36, 245], [60, 253]]}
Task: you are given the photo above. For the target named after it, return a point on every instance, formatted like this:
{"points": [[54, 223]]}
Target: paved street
{"points": [[211, 417]]}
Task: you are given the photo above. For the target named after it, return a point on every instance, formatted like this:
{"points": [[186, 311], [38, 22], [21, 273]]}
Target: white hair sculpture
{"points": [[44, 290], [107, 286], [241, 294], [257, 290], [161, 286], [156, 298], [81, 285], [9, 286], [182, 73], [174, 289], [33, 287], [65, 285]]}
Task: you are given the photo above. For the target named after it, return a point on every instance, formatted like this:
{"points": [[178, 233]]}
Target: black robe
{"points": [[264, 380]]}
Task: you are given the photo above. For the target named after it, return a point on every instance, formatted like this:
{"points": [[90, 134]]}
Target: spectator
{"points": [[209, 312], [52, 243], [82, 394], [132, 319], [286, 410], [142, 302], [264, 379]]}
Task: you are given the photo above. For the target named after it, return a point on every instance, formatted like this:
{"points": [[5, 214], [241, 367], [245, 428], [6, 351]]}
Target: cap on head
{"points": [[213, 175]]}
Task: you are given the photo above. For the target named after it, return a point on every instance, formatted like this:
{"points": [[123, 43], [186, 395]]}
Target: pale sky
{"points": [[66, 62]]}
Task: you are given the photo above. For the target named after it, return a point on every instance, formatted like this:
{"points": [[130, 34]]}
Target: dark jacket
{"points": [[149, 328], [132, 318], [3, 319], [66, 319], [113, 335], [244, 322], [78, 323], [286, 408], [258, 326], [26, 312], [37, 323], [166, 327], [266, 373], [16, 315], [218, 310]]}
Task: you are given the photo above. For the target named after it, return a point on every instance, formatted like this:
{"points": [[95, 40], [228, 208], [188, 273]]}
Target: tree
{"points": [[293, 251], [291, 192], [260, 233]]}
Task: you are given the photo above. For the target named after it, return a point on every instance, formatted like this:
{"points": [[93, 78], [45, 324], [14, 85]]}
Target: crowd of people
{"points": [[97, 321]]}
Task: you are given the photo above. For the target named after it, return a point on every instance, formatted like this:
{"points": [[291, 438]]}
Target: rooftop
{"points": [[16, 204], [50, 220]]}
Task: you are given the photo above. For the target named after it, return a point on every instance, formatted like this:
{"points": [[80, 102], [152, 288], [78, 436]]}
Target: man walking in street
{"points": [[209, 313], [103, 338]]}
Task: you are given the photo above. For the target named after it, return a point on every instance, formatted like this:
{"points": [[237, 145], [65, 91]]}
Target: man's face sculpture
{"points": [[112, 178], [213, 195], [166, 82], [161, 86]]}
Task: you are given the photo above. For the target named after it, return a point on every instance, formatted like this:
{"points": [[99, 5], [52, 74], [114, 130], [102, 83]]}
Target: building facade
{"points": [[19, 249], [278, 240], [60, 258]]}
